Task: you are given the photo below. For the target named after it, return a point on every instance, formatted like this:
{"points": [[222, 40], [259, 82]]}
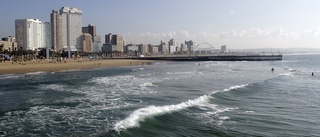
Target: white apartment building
{"points": [[71, 28], [32, 34]]}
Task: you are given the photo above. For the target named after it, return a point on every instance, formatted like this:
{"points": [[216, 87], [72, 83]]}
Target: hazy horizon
{"points": [[238, 24]]}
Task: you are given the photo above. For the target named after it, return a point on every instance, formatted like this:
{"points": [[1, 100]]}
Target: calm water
{"points": [[167, 99]]}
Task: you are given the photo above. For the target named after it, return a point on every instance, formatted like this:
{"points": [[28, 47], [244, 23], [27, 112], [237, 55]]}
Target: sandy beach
{"points": [[50, 66]]}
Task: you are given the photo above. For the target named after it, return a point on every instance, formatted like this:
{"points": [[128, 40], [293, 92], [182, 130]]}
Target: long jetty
{"points": [[214, 57]]}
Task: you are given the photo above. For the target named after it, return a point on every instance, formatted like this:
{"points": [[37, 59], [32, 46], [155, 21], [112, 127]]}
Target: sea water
{"points": [[214, 98]]}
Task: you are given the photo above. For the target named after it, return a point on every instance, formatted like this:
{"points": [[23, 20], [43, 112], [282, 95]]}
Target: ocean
{"points": [[167, 99]]}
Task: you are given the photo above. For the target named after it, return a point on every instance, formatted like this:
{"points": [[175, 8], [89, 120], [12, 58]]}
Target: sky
{"points": [[240, 24]]}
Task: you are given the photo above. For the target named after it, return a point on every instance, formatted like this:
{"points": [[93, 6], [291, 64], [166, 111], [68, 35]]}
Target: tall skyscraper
{"points": [[66, 29], [32, 34], [86, 42], [91, 29], [190, 45], [56, 33], [113, 43], [164, 47]]}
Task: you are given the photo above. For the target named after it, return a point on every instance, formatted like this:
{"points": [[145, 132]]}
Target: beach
{"points": [[50, 66]]}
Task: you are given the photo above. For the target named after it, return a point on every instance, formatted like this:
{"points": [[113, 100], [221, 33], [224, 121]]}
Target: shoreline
{"points": [[49, 66]]}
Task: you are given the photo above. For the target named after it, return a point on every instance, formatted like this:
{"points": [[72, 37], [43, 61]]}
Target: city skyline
{"points": [[238, 24]]}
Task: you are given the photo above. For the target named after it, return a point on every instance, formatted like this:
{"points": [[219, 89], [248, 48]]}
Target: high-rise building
{"points": [[91, 29], [172, 42], [190, 44], [223, 49], [86, 42], [32, 34], [164, 47], [67, 29], [143, 49], [172, 46], [56, 30], [113, 43]]}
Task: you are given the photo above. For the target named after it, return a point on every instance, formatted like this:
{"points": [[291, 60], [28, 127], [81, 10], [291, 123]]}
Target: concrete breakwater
{"points": [[215, 57]]}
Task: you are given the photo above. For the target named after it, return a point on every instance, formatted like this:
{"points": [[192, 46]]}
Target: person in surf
{"points": [[312, 74], [272, 69]]}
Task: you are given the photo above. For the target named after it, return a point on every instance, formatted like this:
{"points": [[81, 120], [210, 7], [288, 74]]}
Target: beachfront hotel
{"points": [[32, 34], [67, 29]]}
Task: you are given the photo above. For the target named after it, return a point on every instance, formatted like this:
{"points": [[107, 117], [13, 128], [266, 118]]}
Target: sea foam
{"points": [[236, 87], [140, 114]]}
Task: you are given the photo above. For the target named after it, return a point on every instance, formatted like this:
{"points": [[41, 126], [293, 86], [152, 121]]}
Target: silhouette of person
{"points": [[312, 74], [272, 69]]}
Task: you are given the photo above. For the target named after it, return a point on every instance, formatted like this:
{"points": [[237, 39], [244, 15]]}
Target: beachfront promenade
{"points": [[215, 57]]}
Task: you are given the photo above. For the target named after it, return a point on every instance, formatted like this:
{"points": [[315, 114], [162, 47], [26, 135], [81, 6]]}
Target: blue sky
{"points": [[237, 23]]}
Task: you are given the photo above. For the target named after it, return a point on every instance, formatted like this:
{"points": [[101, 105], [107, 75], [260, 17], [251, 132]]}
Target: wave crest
{"points": [[142, 113]]}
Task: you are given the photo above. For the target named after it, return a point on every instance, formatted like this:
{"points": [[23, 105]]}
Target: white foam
{"points": [[35, 73], [148, 84], [224, 117], [290, 69], [286, 74], [9, 76], [126, 84], [250, 112], [56, 87], [236, 87], [142, 113]]}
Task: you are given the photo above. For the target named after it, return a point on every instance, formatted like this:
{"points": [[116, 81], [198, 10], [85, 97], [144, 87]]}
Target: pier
{"points": [[214, 57]]}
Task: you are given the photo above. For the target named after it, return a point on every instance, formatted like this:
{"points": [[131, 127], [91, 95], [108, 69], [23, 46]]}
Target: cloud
{"points": [[257, 33], [315, 32]]}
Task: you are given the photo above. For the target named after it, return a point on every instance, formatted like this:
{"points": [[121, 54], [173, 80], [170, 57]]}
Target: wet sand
{"points": [[50, 66]]}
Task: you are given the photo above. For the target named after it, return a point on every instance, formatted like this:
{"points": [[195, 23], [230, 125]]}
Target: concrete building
{"points": [[87, 42], [32, 34], [113, 43], [172, 46], [155, 49], [96, 47], [91, 29], [56, 30], [8, 43], [173, 49], [143, 49], [223, 49], [190, 44], [132, 49], [9, 39], [96, 40], [67, 29], [183, 48], [164, 47]]}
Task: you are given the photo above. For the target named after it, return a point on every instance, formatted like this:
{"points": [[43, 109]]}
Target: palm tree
{"points": [[1, 48]]}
